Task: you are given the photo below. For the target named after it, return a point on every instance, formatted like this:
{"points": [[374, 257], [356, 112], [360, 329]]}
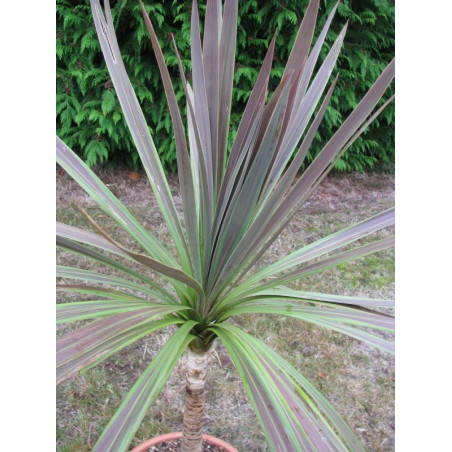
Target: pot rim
{"points": [[212, 440]]}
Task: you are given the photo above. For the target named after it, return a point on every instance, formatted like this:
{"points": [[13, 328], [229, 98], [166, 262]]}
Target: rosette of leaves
{"points": [[235, 202]]}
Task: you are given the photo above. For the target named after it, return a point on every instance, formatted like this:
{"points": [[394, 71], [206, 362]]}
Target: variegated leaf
{"points": [[123, 425]]}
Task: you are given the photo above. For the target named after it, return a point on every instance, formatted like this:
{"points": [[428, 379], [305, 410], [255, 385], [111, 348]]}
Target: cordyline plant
{"points": [[235, 204]]}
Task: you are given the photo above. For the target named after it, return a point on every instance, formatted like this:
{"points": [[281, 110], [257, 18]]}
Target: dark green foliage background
{"points": [[89, 117]]}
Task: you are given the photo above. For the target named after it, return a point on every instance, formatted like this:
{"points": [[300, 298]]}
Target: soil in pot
{"points": [[175, 446]]}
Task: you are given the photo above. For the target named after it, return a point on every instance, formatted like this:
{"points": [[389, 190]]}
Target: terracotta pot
{"points": [[143, 447]]}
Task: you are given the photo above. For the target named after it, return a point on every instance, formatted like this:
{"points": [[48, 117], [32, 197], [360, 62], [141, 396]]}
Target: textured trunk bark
{"points": [[196, 369]]}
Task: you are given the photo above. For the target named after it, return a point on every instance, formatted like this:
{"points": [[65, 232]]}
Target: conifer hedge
{"points": [[89, 118]]}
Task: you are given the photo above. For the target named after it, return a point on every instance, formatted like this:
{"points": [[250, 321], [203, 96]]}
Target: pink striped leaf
{"points": [[183, 159], [314, 250], [312, 297], [75, 167], [266, 227], [336, 313], [90, 253], [122, 427], [99, 339], [100, 278], [345, 319], [99, 291], [293, 415], [91, 309], [103, 22], [159, 267]]}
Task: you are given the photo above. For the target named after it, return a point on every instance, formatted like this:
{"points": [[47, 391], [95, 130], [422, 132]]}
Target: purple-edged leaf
{"points": [[101, 292], [295, 198], [271, 199], [79, 248], [238, 216], [269, 112], [171, 272], [201, 112], [137, 124], [285, 292], [122, 427], [337, 313], [293, 135], [264, 229], [302, 114], [312, 60], [327, 244], [350, 438], [302, 45], [295, 64], [306, 390], [293, 417], [322, 264], [355, 136], [268, 402], [246, 128], [337, 259], [356, 333], [90, 253], [290, 107], [314, 250], [202, 175], [289, 176], [100, 278], [316, 184], [195, 155], [211, 63], [97, 340], [183, 159], [84, 310], [199, 170], [74, 166], [87, 237], [227, 57], [233, 183]]}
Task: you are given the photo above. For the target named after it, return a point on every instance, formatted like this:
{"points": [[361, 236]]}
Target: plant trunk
{"points": [[196, 369]]}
